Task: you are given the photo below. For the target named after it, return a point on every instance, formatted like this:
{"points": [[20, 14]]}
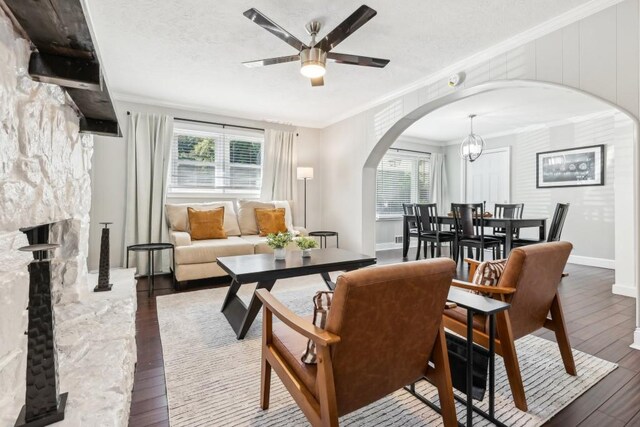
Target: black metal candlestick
{"points": [[103, 269], [43, 405]]}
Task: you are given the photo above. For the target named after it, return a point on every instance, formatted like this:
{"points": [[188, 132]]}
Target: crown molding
{"points": [[527, 36]]}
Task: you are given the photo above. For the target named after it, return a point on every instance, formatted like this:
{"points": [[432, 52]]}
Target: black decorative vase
{"points": [[103, 269], [43, 404]]}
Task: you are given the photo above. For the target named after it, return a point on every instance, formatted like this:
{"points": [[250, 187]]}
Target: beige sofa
{"points": [[197, 259]]}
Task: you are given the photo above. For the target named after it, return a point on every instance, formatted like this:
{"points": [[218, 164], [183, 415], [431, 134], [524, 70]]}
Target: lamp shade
{"points": [[305, 173]]}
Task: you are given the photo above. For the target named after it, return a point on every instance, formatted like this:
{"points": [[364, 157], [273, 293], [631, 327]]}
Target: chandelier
{"points": [[472, 146]]}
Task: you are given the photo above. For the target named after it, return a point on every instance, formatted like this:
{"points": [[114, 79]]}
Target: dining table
{"points": [[509, 225]]}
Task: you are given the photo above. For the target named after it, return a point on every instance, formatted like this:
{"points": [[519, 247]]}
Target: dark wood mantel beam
{"points": [[78, 73]]}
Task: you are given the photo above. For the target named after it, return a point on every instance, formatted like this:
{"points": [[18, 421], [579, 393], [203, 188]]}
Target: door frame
{"points": [[465, 165]]}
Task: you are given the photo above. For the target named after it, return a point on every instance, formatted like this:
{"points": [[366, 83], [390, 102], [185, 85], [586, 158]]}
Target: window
{"points": [[402, 178], [215, 159]]}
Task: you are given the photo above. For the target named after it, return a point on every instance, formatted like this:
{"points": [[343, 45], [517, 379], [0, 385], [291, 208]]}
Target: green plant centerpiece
{"points": [[278, 242], [306, 244]]}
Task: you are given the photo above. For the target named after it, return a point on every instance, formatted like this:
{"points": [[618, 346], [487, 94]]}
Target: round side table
{"points": [[323, 237], [151, 249]]}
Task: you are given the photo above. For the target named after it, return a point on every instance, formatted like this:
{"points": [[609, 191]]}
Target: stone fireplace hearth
{"points": [[45, 179]]}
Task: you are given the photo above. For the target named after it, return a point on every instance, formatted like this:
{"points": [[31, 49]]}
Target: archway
{"points": [[385, 142]]}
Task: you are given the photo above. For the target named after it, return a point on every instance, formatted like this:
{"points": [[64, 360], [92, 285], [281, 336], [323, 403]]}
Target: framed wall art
{"points": [[572, 167]]}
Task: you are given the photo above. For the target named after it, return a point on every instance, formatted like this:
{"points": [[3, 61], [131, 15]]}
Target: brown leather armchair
{"points": [[530, 283], [384, 326]]}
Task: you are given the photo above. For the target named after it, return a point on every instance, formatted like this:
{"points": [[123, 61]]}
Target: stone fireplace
{"points": [[45, 179]]}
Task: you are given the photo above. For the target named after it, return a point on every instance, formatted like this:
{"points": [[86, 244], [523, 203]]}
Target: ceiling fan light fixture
{"points": [[313, 62]]}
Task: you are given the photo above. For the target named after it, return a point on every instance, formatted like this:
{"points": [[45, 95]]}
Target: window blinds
{"points": [[402, 178], [216, 159]]}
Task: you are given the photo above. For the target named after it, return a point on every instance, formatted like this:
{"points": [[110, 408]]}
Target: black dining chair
{"points": [[555, 230], [470, 233], [409, 210], [429, 231], [506, 210]]}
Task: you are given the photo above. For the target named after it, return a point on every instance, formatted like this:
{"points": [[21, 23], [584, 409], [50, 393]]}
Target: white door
{"points": [[488, 178]]}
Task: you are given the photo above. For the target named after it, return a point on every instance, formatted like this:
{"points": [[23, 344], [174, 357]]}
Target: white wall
{"points": [[108, 177], [591, 222], [387, 229]]}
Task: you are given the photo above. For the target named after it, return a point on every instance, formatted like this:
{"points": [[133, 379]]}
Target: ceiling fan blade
{"points": [[344, 58], [275, 29], [357, 19], [271, 61], [318, 81]]}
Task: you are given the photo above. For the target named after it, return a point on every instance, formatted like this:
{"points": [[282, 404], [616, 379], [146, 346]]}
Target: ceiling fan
{"points": [[313, 57]]}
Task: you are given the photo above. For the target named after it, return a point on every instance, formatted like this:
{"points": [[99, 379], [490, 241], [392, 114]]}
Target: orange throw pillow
{"points": [[207, 224], [270, 221]]}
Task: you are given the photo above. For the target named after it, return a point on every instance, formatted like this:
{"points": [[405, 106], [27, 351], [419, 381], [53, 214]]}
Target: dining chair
{"points": [[529, 283], [470, 233], [506, 210], [555, 230], [369, 348], [409, 209], [430, 231]]}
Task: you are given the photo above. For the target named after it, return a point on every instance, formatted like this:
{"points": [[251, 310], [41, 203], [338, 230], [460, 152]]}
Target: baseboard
{"points": [[624, 290], [387, 246], [592, 262], [636, 339]]}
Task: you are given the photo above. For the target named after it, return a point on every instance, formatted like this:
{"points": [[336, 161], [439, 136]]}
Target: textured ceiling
{"points": [[505, 111], [189, 52]]}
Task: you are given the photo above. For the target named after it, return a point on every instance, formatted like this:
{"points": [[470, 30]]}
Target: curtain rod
{"points": [[211, 123], [410, 151]]}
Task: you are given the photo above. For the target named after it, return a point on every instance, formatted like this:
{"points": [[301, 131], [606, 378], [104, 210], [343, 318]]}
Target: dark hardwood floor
{"points": [[599, 323]]}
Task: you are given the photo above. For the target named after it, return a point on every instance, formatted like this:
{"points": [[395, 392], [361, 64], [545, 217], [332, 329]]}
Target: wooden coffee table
{"points": [[265, 270]]}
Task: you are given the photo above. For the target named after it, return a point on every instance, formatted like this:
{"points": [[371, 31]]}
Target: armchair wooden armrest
{"points": [[482, 288], [473, 266], [295, 322]]}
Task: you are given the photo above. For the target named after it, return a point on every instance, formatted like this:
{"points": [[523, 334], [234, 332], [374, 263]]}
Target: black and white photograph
{"points": [[574, 167]]}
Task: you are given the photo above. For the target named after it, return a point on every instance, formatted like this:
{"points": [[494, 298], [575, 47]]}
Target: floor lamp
{"points": [[306, 174]]}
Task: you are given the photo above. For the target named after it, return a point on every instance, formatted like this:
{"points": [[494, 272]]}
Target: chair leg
{"points": [[560, 329], [433, 249], [418, 250], [442, 377], [511, 361], [265, 383]]}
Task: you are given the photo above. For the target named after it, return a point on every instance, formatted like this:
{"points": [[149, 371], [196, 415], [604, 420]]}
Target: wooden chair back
{"points": [[535, 271], [464, 215], [427, 218], [507, 210], [410, 209], [557, 223], [388, 319]]}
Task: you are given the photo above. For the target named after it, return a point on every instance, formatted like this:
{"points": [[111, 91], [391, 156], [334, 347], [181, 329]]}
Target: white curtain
{"points": [[439, 183], [279, 172], [149, 139]]}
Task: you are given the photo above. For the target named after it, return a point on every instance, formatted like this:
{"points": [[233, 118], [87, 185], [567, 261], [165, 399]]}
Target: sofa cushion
{"points": [[207, 224], [247, 215], [178, 217], [260, 244], [201, 251], [270, 221]]}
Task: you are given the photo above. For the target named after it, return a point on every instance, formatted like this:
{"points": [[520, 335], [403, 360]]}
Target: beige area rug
{"points": [[213, 379]]}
